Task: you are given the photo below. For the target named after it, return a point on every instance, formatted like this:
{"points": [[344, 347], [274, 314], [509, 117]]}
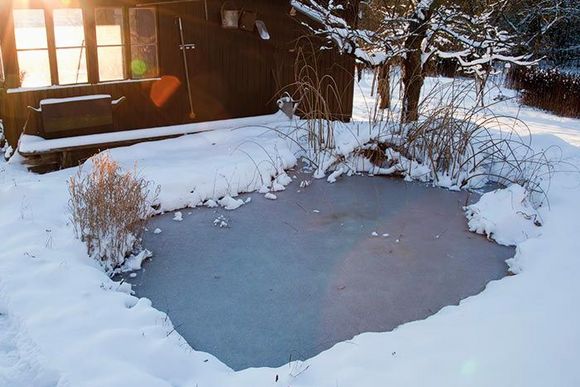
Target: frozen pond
{"points": [[288, 279]]}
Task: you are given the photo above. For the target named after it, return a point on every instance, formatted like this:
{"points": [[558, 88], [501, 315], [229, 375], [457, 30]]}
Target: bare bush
{"points": [[462, 147], [109, 210], [456, 143]]}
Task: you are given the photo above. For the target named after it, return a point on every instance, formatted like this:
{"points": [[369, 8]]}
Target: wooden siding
{"points": [[233, 73]]}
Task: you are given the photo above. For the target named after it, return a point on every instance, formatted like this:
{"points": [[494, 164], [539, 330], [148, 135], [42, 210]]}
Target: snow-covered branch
{"points": [[472, 40], [349, 39]]}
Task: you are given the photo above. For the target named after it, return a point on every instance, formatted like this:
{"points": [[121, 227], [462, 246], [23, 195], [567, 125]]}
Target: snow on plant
{"points": [[454, 144], [464, 151], [456, 149], [414, 32], [548, 27], [109, 210]]}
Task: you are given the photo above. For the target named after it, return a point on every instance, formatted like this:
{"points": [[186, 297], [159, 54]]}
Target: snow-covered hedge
{"points": [[550, 90]]}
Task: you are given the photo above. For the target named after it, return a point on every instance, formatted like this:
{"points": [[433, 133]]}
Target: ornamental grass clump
{"points": [[317, 96], [109, 210], [460, 145]]}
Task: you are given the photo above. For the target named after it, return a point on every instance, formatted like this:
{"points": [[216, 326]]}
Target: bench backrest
{"points": [[75, 116]]}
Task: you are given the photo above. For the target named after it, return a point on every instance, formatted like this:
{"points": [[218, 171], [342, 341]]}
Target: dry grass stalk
{"points": [[466, 144], [109, 210], [318, 96]]}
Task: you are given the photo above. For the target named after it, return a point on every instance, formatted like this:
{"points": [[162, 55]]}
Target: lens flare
{"points": [[139, 67], [468, 368], [163, 89]]}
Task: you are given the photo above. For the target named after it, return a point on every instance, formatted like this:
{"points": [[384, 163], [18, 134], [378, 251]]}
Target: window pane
{"points": [[111, 63], [68, 28], [144, 61], [109, 26], [34, 68], [29, 28], [69, 35], [143, 25], [72, 65]]}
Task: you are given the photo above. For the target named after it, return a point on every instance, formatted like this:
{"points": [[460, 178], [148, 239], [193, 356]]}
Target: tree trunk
{"points": [[384, 86], [480, 82], [413, 79], [412, 66]]}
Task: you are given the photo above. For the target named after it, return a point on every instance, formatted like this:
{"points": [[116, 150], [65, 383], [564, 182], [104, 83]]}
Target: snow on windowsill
{"points": [[17, 90], [53, 101]]}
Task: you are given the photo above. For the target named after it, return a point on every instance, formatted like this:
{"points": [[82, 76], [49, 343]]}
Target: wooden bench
{"points": [[44, 155], [75, 116], [69, 117]]}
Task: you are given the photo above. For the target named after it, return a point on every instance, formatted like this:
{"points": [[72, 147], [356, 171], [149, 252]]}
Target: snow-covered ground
{"points": [[64, 322]]}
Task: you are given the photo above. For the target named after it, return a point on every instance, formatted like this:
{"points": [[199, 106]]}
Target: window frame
{"points": [[35, 49], [83, 47], [91, 46], [2, 70], [123, 45]]}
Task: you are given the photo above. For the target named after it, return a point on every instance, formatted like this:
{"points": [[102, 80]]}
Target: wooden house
{"points": [[174, 62]]}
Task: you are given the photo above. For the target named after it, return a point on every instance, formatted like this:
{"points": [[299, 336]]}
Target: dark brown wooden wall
{"points": [[139, 113], [233, 73]]}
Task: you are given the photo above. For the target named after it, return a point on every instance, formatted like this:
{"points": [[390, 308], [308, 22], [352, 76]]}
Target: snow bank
{"points": [[504, 215], [211, 166]]}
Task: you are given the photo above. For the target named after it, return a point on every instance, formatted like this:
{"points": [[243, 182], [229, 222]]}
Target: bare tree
{"points": [[549, 28], [415, 32]]}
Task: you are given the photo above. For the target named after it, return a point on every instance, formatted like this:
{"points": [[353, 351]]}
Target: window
{"points": [[69, 40], [51, 46], [110, 43], [143, 24], [32, 47]]}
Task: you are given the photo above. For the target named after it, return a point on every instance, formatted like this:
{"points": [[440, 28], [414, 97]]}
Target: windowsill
{"points": [[77, 85]]}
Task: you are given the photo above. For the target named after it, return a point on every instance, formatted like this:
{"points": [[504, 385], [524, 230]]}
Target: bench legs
{"points": [[48, 162], [67, 160]]}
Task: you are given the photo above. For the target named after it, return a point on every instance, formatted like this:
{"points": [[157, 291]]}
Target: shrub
{"points": [[473, 146], [109, 210], [458, 144], [550, 90]]}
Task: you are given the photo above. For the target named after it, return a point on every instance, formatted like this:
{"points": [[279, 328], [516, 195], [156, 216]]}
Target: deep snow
{"points": [[65, 323]]}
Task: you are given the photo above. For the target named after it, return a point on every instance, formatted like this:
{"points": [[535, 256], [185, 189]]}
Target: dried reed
{"points": [[109, 210]]}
